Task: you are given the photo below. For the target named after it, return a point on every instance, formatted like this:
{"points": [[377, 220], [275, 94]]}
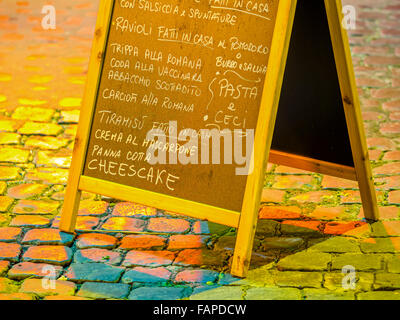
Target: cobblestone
{"points": [[206, 227], [24, 270], [314, 197], [47, 236], [96, 240], [5, 203], [329, 182], [29, 221], [274, 196], [47, 175], [83, 223], [60, 158], [16, 296], [14, 155], [129, 209], [361, 262], [329, 213], [36, 207], [148, 258], [97, 255], [186, 242], [3, 187], [320, 294], [298, 227], [267, 227], [71, 116], [284, 243], [4, 265], [217, 293], [147, 275], [379, 295], [225, 243], [381, 245], [168, 225], [9, 125], [64, 298], [34, 114], [9, 173], [9, 138], [26, 190], [199, 257], [9, 234], [122, 223], [157, 293], [92, 207], [292, 182], [150, 242], [337, 245], [386, 229], [305, 261], [278, 212], [7, 286], [197, 276], [273, 294], [46, 129], [386, 213], [298, 279], [9, 251], [334, 281], [387, 281], [46, 142]]}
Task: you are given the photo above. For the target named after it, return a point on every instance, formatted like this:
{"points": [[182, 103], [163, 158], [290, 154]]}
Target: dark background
{"points": [[311, 120]]}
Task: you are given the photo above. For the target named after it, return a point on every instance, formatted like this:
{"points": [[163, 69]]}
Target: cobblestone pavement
{"points": [[310, 225]]}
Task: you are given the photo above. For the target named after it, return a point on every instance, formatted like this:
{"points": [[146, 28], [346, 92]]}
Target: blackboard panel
{"points": [[174, 69], [311, 120]]}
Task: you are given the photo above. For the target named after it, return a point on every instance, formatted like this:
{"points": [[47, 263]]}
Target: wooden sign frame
{"points": [[246, 220]]}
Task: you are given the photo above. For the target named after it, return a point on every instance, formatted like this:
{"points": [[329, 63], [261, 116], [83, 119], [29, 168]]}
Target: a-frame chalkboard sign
{"points": [[279, 67]]}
